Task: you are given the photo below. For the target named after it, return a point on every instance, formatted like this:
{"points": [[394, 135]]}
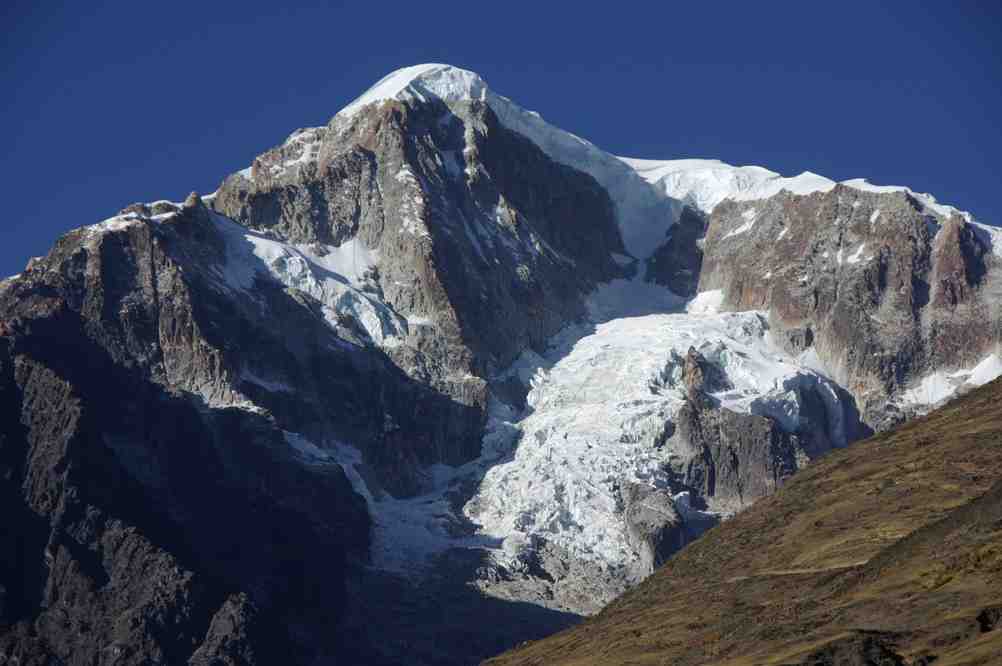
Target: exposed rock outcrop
{"points": [[655, 527], [677, 263], [733, 459], [146, 521], [699, 376], [477, 230], [885, 291]]}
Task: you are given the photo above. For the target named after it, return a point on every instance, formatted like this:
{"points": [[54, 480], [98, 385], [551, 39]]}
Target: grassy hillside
{"points": [[888, 552]]}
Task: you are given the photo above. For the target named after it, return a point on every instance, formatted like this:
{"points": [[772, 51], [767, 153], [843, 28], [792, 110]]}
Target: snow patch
{"points": [[991, 236], [622, 259], [305, 448], [985, 371], [705, 183], [706, 302], [856, 256], [270, 385], [927, 201], [941, 385], [408, 532], [749, 216], [451, 84], [630, 298], [336, 276], [116, 223], [306, 142]]}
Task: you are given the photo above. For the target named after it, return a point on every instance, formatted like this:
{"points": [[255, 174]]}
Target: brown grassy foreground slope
{"points": [[888, 552]]}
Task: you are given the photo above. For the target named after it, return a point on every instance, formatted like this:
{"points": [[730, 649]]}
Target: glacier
{"points": [[596, 400], [598, 397]]}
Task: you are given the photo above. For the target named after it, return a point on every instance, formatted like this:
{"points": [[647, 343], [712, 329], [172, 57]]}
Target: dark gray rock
{"points": [[677, 263], [137, 504], [654, 526], [732, 459]]}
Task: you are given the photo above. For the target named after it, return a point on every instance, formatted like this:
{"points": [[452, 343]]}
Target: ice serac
{"points": [[701, 409]]}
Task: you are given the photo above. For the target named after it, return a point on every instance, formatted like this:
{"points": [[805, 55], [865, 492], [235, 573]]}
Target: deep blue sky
{"points": [[106, 103]]}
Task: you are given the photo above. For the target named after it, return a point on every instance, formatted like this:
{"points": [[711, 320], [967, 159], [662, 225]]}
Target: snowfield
{"points": [[338, 277], [705, 183]]}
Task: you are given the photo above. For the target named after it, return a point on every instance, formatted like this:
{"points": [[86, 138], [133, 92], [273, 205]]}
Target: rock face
{"points": [[477, 244], [654, 525], [477, 230], [144, 523], [882, 289], [734, 458], [700, 377], [677, 263], [438, 358]]}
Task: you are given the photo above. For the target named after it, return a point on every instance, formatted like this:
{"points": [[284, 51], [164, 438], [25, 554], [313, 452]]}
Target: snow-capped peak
{"points": [[641, 211], [446, 82]]}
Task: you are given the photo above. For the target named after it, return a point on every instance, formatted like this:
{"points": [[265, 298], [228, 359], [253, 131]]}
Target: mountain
{"points": [[439, 377], [888, 552]]}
